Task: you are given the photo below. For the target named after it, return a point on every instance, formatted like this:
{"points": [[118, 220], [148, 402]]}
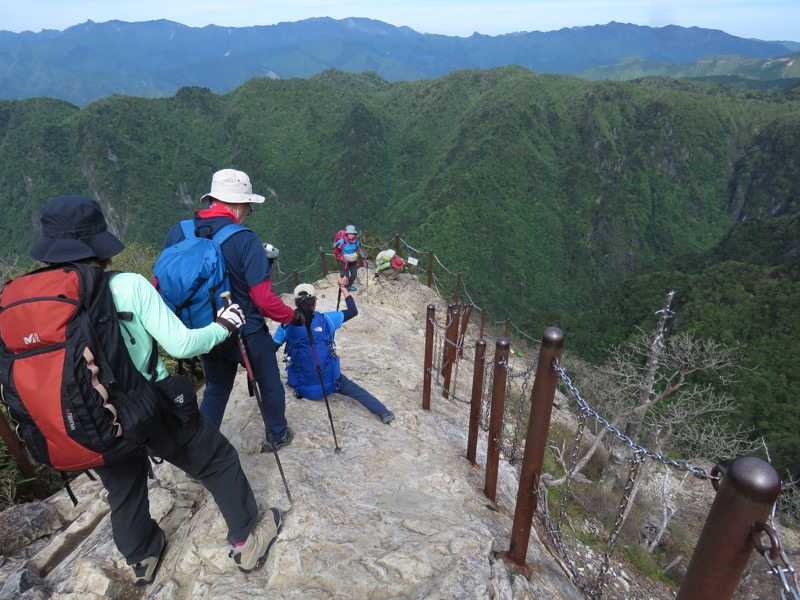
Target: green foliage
{"points": [[734, 302], [561, 201], [739, 71]]}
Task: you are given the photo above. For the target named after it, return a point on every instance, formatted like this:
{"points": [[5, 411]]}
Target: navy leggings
{"points": [[221, 365]]}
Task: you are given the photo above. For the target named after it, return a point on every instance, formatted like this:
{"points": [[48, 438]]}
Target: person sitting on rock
{"points": [[311, 357]]}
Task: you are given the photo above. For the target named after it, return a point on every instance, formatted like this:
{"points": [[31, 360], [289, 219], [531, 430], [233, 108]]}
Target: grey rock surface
{"points": [[399, 513]]}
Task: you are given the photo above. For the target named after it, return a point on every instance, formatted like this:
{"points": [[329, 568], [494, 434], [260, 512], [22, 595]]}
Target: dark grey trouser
{"points": [[206, 455], [349, 270]]}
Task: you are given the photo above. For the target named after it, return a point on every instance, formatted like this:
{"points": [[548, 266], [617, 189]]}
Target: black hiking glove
{"points": [[299, 318]]}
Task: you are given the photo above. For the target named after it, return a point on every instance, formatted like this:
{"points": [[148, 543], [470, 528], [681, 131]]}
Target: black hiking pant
{"points": [[349, 270], [206, 455]]}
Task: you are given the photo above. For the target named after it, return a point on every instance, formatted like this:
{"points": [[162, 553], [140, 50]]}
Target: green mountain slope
{"points": [[745, 291], [562, 201], [783, 71], [559, 187]]}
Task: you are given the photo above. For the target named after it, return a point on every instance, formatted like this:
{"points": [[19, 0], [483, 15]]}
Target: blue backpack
{"points": [[301, 363], [192, 274]]}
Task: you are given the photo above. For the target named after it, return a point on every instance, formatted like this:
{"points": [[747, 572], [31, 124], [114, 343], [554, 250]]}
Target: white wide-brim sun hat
{"points": [[229, 185]]}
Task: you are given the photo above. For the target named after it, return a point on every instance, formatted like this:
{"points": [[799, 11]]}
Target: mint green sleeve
{"points": [[167, 329]]}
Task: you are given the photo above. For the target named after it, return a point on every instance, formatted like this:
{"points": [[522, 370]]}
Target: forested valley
{"points": [[561, 201]]}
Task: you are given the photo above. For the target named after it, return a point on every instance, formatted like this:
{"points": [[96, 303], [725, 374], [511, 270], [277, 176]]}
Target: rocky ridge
{"points": [[400, 513]]}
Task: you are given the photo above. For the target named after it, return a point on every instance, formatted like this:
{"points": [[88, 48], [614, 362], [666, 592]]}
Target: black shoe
{"points": [[285, 440], [144, 572], [386, 417]]}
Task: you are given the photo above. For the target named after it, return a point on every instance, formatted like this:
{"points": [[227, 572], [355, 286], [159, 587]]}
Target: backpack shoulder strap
{"points": [[123, 316], [187, 227], [223, 233]]}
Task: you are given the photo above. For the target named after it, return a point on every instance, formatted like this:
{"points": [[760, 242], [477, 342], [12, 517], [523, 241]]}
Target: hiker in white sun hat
{"points": [[231, 200], [233, 187]]}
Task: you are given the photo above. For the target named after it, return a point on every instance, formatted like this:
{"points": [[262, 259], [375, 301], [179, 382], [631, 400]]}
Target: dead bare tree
{"points": [[654, 370], [650, 369], [656, 528]]}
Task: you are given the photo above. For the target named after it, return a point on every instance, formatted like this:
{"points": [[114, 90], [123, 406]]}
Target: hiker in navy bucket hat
{"points": [[74, 230]]}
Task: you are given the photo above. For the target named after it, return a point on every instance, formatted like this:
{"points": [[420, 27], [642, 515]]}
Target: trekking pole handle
{"points": [[226, 301]]}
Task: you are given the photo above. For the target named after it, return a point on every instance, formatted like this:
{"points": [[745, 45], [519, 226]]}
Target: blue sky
{"points": [[761, 19]]}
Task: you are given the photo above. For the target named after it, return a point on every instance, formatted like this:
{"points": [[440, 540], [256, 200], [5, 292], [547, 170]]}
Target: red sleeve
{"points": [[269, 304]]}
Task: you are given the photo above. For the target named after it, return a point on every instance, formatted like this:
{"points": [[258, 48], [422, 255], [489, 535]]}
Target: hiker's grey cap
{"points": [[232, 186], [304, 289], [74, 228], [350, 229]]}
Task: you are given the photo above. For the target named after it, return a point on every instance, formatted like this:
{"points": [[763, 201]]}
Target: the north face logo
{"points": [[32, 338]]}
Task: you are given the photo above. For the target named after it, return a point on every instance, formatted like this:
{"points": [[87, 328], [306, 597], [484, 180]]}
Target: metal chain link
{"points": [[680, 464], [770, 553], [562, 511], [636, 463], [543, 513]]}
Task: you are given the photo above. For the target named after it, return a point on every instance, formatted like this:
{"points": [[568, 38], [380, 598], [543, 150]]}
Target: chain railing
{"points": [[508, 440], [591, 576], [448, 344]]}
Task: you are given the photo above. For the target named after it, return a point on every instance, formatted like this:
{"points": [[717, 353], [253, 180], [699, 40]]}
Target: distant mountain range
{"points": [[156, 58]]}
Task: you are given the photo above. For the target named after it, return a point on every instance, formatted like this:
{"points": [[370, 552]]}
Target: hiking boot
{"points": [[284, 440], [253, 553], [386, 417], [144, 572]]}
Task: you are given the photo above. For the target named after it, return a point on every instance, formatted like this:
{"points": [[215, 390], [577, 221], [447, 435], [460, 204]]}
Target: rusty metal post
{"points": [[484, 312], [324, 263], [397, 243], [295, 277], [475, 402], [542, 395], [457, 295], [16, 450], [428, 364], [508, 328], [430, 268], [467, 313], [745, 497], [496, 417], [450, 350]]}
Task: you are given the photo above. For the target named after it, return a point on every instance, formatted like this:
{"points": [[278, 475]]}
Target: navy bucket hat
{"points": [[74, 228]]}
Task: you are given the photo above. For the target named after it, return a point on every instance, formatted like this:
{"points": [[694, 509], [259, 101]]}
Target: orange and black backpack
{"points": [[70, 386]]}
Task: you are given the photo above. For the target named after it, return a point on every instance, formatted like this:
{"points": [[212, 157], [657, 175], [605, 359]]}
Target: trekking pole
{"points": [[322, 383], [339, 298], [366, 266], [251, 378]]}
